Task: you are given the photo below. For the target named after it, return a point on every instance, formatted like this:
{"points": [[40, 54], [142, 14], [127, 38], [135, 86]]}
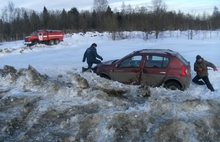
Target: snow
{"points": [[67, 56], [61, 95]]}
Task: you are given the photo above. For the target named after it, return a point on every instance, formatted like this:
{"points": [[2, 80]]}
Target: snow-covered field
{"points": [[47, 98]]}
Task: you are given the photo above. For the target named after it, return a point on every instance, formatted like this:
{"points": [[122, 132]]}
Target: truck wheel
{"points": [[57, 41], [51, 42], [34, 42]]}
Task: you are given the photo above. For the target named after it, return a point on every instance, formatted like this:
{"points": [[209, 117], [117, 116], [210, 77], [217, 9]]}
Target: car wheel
{"points": [[105, 76], [172, 85]]}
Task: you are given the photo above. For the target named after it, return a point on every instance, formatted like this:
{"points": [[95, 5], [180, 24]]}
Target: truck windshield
{"points": [[34, 34]]}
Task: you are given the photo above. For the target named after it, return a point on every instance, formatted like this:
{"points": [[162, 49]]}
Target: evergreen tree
{"points": [[46, 18]]}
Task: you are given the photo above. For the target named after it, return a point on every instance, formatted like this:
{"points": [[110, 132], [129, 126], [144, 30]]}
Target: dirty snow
{"points": [[49, 99]]}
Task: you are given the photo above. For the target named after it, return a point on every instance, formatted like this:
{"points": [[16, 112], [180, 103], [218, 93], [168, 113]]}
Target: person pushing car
{"points": [[200, 67], [90, 55]]}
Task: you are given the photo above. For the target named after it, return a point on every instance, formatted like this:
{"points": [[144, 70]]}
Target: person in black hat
{"points": [[200, 67], [90, 55]]}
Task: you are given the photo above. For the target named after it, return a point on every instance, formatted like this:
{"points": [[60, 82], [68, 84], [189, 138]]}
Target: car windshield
{"points": [[115, 61], [131, 62]]}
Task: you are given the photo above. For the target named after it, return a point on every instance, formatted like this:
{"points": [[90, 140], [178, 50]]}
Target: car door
{"points": [[128, 70], [155, 70]]}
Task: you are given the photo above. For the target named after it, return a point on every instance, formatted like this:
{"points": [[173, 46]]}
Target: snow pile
{"points": [[35, 107]]}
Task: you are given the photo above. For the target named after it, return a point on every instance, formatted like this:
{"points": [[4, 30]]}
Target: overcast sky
{"points": [[186, 6]]}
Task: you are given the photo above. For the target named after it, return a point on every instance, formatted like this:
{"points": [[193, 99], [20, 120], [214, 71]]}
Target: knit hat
{"points": [[198, 57], [94, 44]]}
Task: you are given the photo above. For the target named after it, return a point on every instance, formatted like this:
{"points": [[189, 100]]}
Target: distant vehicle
{"points": [[153, 67], [49, 37]]}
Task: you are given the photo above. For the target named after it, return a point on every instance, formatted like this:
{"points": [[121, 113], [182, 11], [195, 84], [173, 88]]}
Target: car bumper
{"points": [[185, 82]]}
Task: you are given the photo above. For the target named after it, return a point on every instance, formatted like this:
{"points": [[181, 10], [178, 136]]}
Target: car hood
{"points": [[110, 62]]}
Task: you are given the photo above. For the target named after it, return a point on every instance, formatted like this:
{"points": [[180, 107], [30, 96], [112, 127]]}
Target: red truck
{"points": [[49, 37]]}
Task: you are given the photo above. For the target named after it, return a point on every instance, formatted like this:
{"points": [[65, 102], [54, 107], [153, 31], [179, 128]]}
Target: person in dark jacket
{"points": [[90, 55], [200, 67]]}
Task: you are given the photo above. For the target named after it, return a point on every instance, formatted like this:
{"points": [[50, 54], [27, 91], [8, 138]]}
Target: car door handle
{"points": [[162, 72]]}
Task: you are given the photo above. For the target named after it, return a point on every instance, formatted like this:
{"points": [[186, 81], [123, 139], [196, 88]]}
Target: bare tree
{"points": [[11, 9], [8, 12], [100, 7], [158, 12]]}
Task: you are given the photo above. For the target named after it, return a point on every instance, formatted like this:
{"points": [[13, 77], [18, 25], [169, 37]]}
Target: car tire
{"points": [[105, 76], [173, 85]]}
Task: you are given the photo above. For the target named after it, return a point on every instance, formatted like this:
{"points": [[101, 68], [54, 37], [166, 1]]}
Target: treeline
{"points": [[16, 23]]}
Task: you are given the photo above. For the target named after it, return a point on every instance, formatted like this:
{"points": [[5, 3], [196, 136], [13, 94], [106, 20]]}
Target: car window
{"points": [[132, 62], [156, 61], [182, 59]]}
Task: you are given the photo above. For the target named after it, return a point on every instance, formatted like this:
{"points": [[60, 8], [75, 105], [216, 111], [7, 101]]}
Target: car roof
{"points": [[158, 51]]}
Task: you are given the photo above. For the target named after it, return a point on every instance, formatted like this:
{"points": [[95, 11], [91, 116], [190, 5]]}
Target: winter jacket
{"points": [[91, 55], [201, 68]]}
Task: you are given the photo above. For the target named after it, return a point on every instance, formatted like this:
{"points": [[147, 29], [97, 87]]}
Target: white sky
{"points": [[186, 6]]}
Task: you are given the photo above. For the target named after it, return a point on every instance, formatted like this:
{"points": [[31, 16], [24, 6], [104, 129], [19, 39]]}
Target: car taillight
{"points": [[184, 70]]}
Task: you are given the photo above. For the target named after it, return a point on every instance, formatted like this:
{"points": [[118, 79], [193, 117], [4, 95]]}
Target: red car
{"points": [[153, 67]]}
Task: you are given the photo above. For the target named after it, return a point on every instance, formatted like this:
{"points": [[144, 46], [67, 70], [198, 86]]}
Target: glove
{"points": [[101, 58], [215, 69], [199, 69], [83, 60]]}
